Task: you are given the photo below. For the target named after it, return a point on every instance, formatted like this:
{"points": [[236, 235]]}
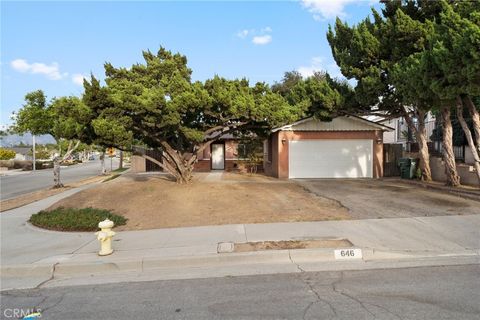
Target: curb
{"points": [[106, 265]]}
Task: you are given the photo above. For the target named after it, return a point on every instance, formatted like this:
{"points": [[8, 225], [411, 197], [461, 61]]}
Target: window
{"points": [[247, 149], [242, 151]]}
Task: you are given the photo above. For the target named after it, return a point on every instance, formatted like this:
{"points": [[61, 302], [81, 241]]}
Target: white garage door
{"points": [[330, 158]]}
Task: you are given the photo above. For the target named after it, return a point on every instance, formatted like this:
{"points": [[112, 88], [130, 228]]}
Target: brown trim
{"points": [[224, 155]]}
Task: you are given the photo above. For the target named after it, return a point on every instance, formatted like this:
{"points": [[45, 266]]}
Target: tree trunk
{"points": [[475, 119], [181, 176], [421, 136], [56, 173], [102, 161], [468, 135], [448, 156], [120, 164], [70, 149], [57, 183]]}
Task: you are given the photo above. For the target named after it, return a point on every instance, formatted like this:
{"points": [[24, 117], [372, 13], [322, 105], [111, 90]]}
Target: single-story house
{"points": [[22, 153], [346, 147], [226, 153]]}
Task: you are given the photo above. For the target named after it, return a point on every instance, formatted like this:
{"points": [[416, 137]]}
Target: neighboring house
{"points": [[346, 147], [22, 153], [401, 134]]}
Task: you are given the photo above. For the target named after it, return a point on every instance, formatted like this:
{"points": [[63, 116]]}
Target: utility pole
{"points": [[34, 158]]}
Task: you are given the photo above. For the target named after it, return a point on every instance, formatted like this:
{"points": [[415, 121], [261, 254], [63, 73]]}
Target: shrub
{"points": [[6, 154], [27, 165], [7, 163], [72, 219]]}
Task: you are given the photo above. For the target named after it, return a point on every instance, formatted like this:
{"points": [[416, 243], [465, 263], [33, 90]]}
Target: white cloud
{"points": [[260, 37], [318, 64], [51, 71], [326, 9], [262, 40], [77, 78], [243, 33], [308, 71], [266, 30]]}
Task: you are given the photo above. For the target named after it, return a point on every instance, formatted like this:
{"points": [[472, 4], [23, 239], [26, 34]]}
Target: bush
{"points": [[7, 163], [6, 154], [27, 165], [72, 219]]}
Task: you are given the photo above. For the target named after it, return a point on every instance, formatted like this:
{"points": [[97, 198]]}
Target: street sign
{"points": [[111, 151]]}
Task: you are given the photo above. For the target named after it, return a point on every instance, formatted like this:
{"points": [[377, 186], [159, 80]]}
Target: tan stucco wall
{"points": [[466, 172], [278, 167], [138, 164]]}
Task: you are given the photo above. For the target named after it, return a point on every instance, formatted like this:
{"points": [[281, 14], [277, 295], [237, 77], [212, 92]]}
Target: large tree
{"points": [[58, 118], [157, 104], [391, 60], [367, 52], [454, 51], [443, 73], [318, 95]]}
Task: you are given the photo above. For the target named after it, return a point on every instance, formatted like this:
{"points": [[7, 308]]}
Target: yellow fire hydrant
{"points": [[105, 237]]}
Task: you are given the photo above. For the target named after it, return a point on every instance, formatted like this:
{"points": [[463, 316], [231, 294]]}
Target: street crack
{"points": [[49, 279], [312, 289], [361, 303]]}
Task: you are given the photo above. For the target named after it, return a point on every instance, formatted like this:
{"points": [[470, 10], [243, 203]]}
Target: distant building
{"points": [[22, 153]]}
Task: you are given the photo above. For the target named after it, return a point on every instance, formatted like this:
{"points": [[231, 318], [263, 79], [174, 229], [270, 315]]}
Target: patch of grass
{"points": [[111, 178], [72, 219], [120, 170]]}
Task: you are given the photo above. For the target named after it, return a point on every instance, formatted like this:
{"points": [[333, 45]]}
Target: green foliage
{"points": [[454, 52], [71, 116], [41, 153], [112, 177], [370, 51], [156, 102], [6, 154], [63, 118], [71, 219], [419, 53], [318, 95], [34, 116]]}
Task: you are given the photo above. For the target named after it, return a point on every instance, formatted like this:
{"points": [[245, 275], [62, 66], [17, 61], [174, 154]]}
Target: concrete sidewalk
{"points": [[32, 256]]}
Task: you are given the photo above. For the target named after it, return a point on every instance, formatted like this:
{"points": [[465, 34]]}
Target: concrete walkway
{"points": [[25, 248]]}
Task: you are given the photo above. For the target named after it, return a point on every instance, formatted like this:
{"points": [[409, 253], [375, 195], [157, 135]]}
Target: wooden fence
{"points": [[391, 154]]}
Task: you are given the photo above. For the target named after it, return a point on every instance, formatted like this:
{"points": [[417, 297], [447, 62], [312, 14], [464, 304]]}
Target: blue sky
{"points": [[52, 45]]}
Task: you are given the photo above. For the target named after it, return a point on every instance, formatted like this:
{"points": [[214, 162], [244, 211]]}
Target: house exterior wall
{"points": [[278, 166], [231, 156], [469, 159]]}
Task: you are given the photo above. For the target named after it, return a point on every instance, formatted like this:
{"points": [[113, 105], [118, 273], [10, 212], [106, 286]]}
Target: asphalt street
{"points": [[25, 182], [411, 293]]}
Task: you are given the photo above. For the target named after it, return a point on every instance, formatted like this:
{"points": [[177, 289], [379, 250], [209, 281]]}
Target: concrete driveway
{"points": [[370, 199]]}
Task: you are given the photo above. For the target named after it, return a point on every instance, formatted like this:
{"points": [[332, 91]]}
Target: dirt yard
{"points": [[152, 201]]}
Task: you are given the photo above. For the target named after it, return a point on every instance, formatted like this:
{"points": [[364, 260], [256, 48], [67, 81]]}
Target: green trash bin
{"points": [[404, 164]]}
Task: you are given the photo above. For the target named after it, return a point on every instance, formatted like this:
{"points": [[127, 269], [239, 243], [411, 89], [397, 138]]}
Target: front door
{"points": [[218, 156]]}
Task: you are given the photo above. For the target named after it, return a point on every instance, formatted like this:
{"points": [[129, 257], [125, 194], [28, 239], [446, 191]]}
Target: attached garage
{"points": [[346, 147]]}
